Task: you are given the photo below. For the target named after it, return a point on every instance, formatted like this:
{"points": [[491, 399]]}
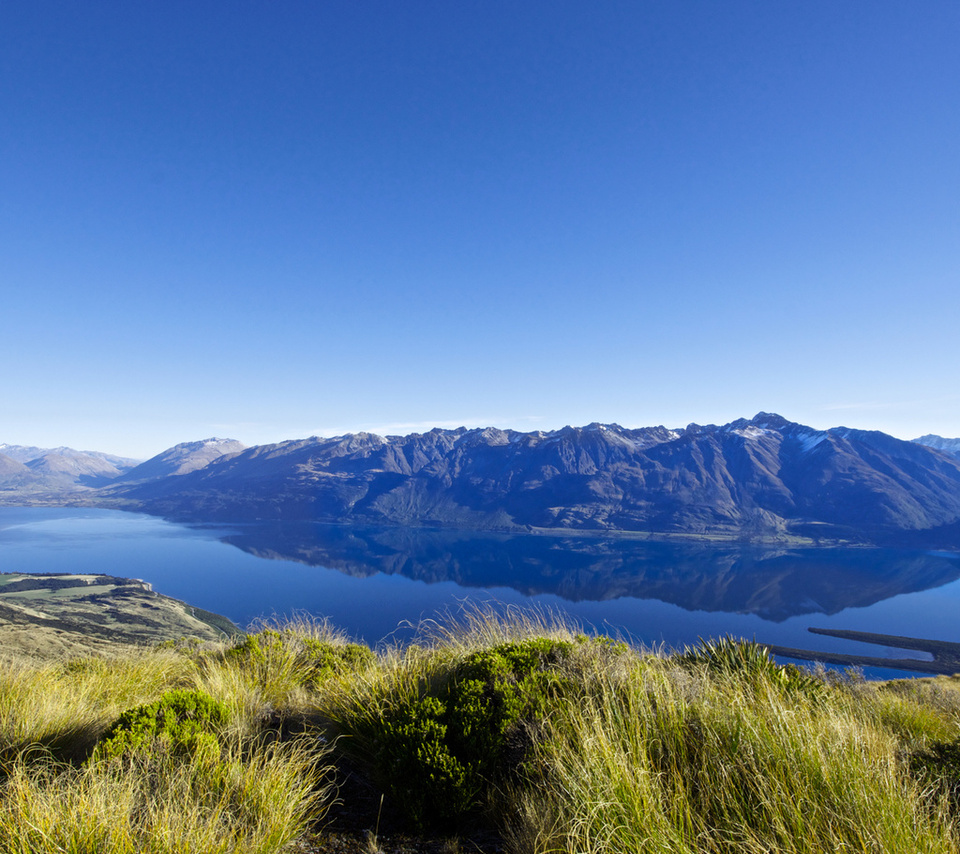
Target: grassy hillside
{"points": [[63, 615], [493, 736]]}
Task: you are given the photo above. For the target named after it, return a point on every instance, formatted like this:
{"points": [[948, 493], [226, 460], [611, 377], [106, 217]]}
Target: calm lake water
{"points": [[376, 582]]}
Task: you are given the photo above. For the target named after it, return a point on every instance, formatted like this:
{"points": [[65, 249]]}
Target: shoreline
{"points": [[946, 654]]}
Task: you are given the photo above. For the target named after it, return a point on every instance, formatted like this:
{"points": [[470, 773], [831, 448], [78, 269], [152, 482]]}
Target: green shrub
{"points": [[181, 722], [495, 689], [332, 658], [256, 648], [413, 752], [438, 752]]}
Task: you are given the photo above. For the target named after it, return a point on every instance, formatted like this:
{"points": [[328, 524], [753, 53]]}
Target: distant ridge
{"points": [[58, 469], [764, 478], [949, 446], [26, 453], [182, 459], [14, 474]]}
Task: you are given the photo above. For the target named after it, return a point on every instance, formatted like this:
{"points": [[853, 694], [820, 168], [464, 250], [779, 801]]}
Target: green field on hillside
{"points": [[63, 615]]}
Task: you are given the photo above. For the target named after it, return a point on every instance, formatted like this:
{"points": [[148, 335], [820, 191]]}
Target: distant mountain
{"points": [[23, 453], [27, 453], [57, 469], [14, 474], [763, 478], [949, 446], [182, 459], [73, 467]]}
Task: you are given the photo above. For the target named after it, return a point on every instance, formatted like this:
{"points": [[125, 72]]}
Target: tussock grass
{"points": [[660, 763], [66, 706], [919, 710], [559, 742], [232, 803], [246, 786]]}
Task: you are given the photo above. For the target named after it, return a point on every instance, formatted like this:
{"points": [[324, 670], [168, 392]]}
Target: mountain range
{"points": [[33, 471], [765, 478], [30, 469]]}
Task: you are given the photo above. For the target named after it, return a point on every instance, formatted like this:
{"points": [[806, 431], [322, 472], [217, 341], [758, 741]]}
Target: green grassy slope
{"points": [[49, 616], [522, 736]]}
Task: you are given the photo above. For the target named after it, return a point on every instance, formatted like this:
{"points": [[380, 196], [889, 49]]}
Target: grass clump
{"points": [[937, 767], [283, 664], [65, 707], [161, 802], [164, 750], [660, 762], [750, 663]]}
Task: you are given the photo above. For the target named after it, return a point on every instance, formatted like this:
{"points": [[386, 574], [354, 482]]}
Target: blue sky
{"points": [[271, 220]]}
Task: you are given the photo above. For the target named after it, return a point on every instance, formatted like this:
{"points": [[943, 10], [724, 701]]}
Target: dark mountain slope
{"points": [[766, 477]]}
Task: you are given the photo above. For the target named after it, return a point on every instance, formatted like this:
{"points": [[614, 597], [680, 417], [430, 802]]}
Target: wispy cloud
{"points": [[888, 405], [856, 407]]}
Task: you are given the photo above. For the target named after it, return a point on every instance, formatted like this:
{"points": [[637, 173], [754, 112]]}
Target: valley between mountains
{"points": [[762, 479]]}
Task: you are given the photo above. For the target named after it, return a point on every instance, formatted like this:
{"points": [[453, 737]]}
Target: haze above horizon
{"points": [[273, 221]]}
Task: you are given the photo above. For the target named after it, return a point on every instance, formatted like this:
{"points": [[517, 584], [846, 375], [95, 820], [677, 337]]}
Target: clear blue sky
{"points": [[269, 220]]}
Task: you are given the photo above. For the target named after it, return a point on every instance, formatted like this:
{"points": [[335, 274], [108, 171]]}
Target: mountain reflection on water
{"points": [[770, 582]]}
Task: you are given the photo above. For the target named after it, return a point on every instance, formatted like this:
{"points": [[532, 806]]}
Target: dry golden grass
{"points": [[638, 752]]}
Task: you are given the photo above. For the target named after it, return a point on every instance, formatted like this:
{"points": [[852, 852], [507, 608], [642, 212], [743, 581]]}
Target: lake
{"points": [[375, 583]]}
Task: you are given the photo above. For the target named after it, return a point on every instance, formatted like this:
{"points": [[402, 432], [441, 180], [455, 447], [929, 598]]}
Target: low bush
{"points": [[179, 722], [438, 748]]}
